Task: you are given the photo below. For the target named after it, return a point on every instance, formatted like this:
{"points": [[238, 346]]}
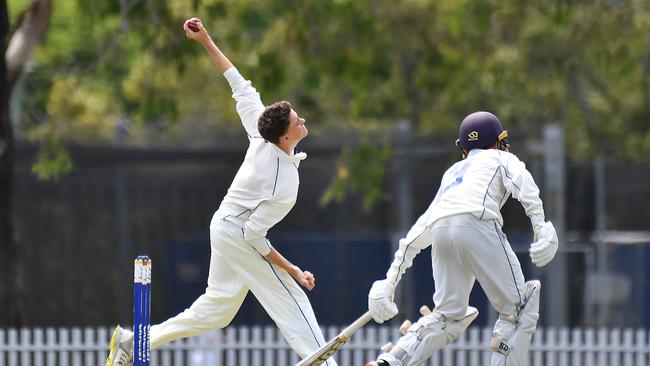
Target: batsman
{"points": [[463, 225]]}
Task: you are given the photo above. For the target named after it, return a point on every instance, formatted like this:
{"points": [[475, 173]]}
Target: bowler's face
{"points": [[297, 129]]}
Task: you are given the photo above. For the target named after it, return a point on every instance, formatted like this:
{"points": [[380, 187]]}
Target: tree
{"points": [[354, 65], [16, 47]]}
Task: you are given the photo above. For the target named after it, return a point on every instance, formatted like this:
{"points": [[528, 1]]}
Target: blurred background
{"points": [[119, 137]]}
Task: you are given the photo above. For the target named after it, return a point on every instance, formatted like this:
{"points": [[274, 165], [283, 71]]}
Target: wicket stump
{"points": [[141, 311]]}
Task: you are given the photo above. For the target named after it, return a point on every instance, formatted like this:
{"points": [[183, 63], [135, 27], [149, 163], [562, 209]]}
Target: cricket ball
{"points": [[193, 25]]}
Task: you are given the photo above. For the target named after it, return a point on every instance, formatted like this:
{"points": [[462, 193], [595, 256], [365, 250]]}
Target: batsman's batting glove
{"points": [[380, 301], [543, 250]]}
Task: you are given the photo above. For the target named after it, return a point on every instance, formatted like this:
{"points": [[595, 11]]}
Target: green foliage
{"points": [[359, 170], [52, 160], [80, 109], [151, 95], [583, 64]]}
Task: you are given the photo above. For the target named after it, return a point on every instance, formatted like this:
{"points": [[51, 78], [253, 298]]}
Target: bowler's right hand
{"points": [[197, 36], [380, 301]]}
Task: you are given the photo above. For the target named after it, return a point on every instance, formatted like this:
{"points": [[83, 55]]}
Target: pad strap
{"points": [[514, 319]]}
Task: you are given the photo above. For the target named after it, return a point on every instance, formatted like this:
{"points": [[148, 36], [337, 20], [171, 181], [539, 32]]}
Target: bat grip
{"points": [[352, 328]]}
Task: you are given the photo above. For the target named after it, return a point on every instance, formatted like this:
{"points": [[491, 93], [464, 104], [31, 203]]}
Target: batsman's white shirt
{"points": [[261, 194], [469, 199], [481, 184]]}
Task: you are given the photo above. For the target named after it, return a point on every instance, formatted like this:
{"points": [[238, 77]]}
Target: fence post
{"points": [[551, 344], [165, 357], [90, 344], [282, 353], [218, 347], [39, 346], [13, 347], [244, 338], [369, 337], [641, 347], [576, 347], [554, 203], [357, 353], [293, 357], [64, 347], [564, 344], [272, 346], [51, 345], [602, 265], [177, 355], [487, 336], [77, 344], [196, 354], [615, 343], [26, 345], [475, 345], [602, 346], [405, 292], [461, 349], [258, 346], [103, 341], [628, 346], [538, 346], [231, 340], [590, 348]]}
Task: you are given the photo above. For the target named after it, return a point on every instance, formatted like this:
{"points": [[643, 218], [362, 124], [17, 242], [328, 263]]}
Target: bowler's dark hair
{"points": [[274, 121]]}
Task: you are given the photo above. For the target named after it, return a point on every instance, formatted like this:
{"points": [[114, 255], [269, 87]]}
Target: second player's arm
{"points": [[409, 247], [381, 305], [521, 185]]}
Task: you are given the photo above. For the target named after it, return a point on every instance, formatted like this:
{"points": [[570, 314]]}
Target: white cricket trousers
{"points": [[466, 249], [236, 268]]}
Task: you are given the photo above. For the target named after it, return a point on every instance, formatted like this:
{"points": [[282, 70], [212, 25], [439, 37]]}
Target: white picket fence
{"points": [[255, 346]]}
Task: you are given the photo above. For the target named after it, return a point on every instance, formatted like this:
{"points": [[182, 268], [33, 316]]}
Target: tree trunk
{"points": [[11, 291], [16, 52]]}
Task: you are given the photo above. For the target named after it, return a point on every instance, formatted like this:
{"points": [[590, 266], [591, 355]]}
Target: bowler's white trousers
{"points": [[466, 249], [236, 268]]}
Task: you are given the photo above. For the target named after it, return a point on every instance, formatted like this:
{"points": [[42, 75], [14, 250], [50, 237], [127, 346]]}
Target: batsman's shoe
{"points": [[121, 348]]}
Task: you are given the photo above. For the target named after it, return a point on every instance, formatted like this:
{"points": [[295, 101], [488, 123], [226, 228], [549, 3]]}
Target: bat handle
{"points": [[356, 325]]}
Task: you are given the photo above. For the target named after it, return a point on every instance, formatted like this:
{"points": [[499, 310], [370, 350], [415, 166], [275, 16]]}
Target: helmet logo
{"points": [[472, 136]]}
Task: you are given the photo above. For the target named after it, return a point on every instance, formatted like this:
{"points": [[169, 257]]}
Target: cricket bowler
{"points": [[262, 193]]}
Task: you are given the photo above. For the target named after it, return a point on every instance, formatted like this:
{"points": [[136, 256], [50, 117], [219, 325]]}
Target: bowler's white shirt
{"points": [[266, 185]]}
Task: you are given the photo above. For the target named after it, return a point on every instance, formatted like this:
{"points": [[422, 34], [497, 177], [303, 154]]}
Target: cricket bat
{"points": [[325, 352]]}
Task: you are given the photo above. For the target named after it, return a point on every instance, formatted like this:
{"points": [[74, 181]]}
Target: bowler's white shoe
{"points": [[121, 348]]}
